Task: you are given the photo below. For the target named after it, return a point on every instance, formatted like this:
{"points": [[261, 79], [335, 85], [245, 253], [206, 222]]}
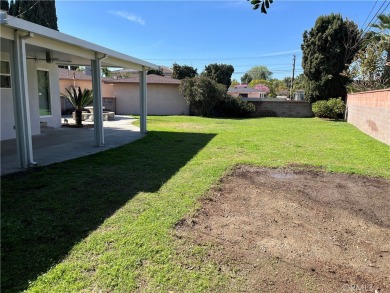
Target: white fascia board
{"points": [[114, 62], [6, 33], [55, 45], [62, 38]]}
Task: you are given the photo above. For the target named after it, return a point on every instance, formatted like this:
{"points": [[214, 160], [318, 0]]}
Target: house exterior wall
{"points": [[370, 112], [53, 120], [163, 99], [107, 93], [7, 108], [7, 103], [107, 89], [248, 94]]}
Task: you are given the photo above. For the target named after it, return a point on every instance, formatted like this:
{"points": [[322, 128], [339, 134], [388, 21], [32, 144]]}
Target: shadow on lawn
{"points": [[45, 212]]}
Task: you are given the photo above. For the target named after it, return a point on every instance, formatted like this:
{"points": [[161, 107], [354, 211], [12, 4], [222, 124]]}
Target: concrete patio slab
{"points": [[60, 144]]}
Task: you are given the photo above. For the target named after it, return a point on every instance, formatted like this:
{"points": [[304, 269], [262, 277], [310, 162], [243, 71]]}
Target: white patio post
{"points": [[143, 101], [97, 100], [21, 100]]}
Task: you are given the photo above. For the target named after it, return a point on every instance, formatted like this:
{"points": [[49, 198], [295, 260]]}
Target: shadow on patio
{"points": [[47, 210], [60, 144]]}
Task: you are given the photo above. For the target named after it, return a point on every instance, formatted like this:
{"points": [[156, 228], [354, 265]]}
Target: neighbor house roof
{"points": [[74, 74], [243, 90], [151, 79]]}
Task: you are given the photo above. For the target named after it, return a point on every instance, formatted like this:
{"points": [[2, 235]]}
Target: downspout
{"points": [[21, 99], [143, 100], [97, 100]]}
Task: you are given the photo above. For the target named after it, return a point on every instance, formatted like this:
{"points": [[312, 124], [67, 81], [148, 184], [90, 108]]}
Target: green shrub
{"points": [[234, 107], [209, 98], [333, 108], [202, 94], [320, 108], [336, 108]]}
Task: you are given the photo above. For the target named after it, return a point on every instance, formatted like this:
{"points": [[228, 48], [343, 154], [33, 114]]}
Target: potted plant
{"points": [[79, 99]]}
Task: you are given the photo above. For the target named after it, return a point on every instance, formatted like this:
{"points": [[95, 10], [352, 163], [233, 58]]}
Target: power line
{"points": [[224, 58], [370, 13], [375, 16], [20, 14]]}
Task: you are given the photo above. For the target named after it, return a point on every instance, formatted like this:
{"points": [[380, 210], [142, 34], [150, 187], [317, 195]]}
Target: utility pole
{"points": [[292, 79]]}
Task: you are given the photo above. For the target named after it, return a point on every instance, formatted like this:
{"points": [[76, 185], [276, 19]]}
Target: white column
{"points": [[21, 100], [143, 101], [97, 101]]}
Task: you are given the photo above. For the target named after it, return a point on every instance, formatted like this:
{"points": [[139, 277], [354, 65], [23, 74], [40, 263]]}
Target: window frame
{"points": [[6, 74]]}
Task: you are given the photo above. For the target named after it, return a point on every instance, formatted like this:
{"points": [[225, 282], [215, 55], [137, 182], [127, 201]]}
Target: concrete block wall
{"points": [[370, 112], [280, 108], [109, 103]]}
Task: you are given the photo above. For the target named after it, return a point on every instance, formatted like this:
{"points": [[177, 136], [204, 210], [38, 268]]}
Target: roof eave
{"points": [[114, 58]]}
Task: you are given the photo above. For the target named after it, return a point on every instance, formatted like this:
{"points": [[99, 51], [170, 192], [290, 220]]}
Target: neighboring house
{"points": [[164, 97], [73, 78], [299, 95], [30, 55], [167, 71], [126, 73], [245, 92]]}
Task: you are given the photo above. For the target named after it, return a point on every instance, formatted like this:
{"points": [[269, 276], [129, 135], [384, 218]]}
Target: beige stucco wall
{"points": [[370, 112], [250, 94], [7, 105], [84, 84], [163, 99]]}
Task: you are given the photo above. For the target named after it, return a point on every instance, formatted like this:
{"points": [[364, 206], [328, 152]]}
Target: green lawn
{"points": [[104, 224]]}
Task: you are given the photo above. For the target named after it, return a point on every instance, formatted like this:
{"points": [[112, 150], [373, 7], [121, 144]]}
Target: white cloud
{"points": [[129, 16]]}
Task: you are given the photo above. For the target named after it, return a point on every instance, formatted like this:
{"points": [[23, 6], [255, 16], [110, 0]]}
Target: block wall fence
{"points": [[370, 112], [295, 109]]}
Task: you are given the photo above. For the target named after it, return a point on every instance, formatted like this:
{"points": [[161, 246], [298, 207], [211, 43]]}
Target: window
{"points": [[5, 74], [44, 93]]}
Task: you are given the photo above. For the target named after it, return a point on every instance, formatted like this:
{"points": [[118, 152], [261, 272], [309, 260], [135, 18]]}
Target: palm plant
{"points": [[79, 99], [383, 32]]}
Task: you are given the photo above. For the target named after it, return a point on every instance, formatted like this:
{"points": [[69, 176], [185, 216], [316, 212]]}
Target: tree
{"points": [[79, 99], [274, 86], [39, 12], [262, 4], [259, 72], [325, 55], [106, 72], [220, 73], [246, 79], [369, 70], [299, 82], [184, 71], [383, 32], [202, 94], [157, 72], [234, 83], [4, 5]]}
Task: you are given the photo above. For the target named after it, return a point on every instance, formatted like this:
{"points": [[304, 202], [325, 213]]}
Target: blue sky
{"points": [[198, 33]]}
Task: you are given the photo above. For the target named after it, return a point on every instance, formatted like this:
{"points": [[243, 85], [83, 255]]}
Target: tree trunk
{"points": [[78, 117]]}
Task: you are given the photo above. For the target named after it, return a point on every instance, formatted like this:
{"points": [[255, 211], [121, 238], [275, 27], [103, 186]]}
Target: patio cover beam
{"points": [[143, 101], [97, 99], [21, 100]]}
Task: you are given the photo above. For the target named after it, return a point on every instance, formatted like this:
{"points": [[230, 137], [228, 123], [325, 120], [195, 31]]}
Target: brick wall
{"points": [[296, 109], [370, 112]]}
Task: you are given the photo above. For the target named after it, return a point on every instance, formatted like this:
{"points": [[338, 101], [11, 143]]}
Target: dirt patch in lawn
{"points": [[296, 230]]}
